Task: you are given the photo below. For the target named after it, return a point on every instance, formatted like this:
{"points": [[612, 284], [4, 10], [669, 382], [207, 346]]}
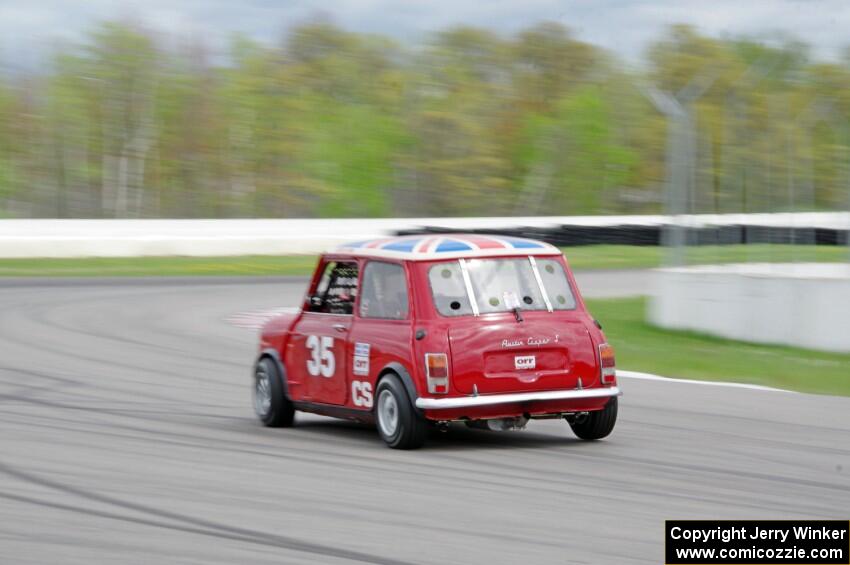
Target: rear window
{"points": [[448, 289], [499, 285], [555, 282]]}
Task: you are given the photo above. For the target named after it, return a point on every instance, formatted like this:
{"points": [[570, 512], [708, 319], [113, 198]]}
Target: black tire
{"points": [[597, 424], [278, 411], [410, 429]]}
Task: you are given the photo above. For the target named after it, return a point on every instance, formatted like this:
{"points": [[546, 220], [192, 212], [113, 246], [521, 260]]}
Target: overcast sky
{"points": [[29, 27]]}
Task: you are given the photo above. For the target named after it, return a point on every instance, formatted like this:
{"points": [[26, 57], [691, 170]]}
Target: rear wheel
{"points": [[398, 424], [270, 403], [597, 424]]}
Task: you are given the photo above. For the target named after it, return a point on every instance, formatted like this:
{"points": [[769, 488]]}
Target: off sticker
{"points": [[525, 362], [361, 359]]}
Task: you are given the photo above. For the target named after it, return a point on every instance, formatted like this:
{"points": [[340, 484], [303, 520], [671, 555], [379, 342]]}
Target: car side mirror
{"points": [[315, 300]]}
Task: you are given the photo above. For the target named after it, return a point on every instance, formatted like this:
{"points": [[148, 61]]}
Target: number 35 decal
{"points": [[321, 361]]}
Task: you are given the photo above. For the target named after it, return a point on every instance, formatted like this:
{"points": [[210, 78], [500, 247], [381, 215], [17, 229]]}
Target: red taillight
{"points": [[437, 372], [606, 362]]}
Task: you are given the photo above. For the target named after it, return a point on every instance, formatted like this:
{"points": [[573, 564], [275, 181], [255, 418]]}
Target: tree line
{"points": [[332, 123]]}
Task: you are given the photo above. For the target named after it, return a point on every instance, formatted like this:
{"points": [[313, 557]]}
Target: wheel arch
{"points": [[403, 374], [272, 354]]}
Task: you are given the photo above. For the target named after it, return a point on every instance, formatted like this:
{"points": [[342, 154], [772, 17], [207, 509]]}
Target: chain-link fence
{"points": [[756, 182]]}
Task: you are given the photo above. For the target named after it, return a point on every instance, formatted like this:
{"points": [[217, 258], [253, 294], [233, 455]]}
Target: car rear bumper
{"points": [[454, 403]]}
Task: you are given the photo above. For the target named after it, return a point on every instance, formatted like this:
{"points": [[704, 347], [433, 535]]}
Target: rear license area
{"points": [[497, 355], [526, 366]]}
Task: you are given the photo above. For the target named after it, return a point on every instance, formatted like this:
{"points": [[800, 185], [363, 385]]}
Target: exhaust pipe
{"points": [[499, 424]]}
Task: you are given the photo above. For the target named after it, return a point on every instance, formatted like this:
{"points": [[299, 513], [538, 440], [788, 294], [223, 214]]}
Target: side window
{"points": [[337, 289], [384, 291]]}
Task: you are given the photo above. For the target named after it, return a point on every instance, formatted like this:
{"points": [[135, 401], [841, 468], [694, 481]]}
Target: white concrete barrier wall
{"points": [[129, 238], [802, 305], [133, 238]]}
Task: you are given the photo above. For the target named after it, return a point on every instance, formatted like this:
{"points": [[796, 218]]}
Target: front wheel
{"points": [[270, 403], [597, 424], [398, 423]]}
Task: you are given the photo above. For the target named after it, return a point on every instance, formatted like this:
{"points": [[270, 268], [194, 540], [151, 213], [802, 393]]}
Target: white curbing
{"points": [[651, 377]]}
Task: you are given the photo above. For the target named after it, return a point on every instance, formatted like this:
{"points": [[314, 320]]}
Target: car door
{"points": [[381, 333], [319, 339]]}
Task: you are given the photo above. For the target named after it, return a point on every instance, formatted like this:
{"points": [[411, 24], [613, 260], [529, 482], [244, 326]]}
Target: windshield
{"points": [[499, 285]]}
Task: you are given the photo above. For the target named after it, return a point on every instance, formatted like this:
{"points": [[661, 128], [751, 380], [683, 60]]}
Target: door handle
{"points": [[340, 327]]}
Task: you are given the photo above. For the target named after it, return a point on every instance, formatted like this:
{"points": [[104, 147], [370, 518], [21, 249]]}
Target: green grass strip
{"points": [[642, 347]]}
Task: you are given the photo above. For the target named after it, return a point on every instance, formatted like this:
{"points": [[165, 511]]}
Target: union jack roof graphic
{"points": [[447, 246]]}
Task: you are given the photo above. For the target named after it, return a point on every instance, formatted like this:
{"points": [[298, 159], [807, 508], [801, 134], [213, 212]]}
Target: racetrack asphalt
{"points": [[127, 436]]}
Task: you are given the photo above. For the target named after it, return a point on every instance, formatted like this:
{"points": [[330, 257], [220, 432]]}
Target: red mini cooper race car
{"points": [[419, 331]]}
